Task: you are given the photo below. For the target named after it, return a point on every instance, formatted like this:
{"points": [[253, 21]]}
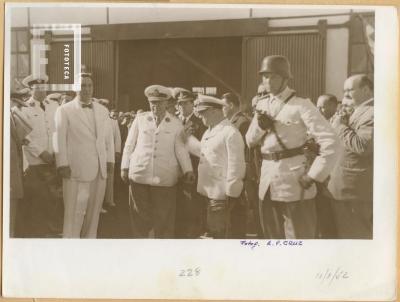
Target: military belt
{"points": [[275, 156]]}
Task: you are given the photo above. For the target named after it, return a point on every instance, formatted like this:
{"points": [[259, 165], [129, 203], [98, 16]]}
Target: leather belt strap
{"points": [[275, 156]]}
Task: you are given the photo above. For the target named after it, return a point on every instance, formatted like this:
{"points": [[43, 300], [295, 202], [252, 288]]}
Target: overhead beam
{"points": [[181, 29]]}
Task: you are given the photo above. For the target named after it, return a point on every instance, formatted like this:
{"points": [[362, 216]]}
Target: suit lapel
{"points": [[97, 118], [81, 115]]}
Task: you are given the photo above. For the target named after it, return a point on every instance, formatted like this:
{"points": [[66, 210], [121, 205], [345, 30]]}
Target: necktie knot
{"points": [[90, 106]]}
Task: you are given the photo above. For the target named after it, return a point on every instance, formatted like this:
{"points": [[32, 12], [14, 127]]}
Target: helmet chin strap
{"points": [[281, 87]]}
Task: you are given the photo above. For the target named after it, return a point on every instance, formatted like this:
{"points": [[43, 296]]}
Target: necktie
{"points": [[90, 106], [42, 106]]}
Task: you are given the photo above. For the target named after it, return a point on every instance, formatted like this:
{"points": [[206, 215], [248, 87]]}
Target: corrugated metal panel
{"points": [[98, 56], [306, 53]]}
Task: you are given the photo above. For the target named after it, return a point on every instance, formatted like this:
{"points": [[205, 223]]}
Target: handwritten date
{"points": [[328, 276]]}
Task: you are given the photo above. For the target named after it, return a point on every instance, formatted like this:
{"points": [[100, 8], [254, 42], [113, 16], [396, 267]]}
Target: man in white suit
{"points": [[85, 155]]}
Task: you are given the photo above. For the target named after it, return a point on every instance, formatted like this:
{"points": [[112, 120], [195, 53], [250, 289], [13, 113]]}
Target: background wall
{"points": [[337, 40]]}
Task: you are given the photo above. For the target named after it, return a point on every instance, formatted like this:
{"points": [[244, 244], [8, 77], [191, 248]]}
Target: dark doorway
{"points": [[187, 63]]}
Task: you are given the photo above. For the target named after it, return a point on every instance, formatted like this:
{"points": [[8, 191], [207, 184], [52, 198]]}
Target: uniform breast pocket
{"points": [[289, 121], [168, 133], [139, 161], [167, 139]]}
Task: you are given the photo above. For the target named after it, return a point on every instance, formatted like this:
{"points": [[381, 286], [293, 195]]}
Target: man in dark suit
{"points": [[190, 210], [239, 212], [352, 179]]}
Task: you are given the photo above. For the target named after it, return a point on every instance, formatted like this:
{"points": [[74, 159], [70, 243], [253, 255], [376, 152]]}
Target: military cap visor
{"points": [[205, 106], [204, 102], [183, 95], [157, 93], [54, 96], [31, 80]]}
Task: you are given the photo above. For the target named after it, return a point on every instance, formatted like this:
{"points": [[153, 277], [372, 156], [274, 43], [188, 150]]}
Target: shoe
{"points": [[103, 211], [206, 236]]}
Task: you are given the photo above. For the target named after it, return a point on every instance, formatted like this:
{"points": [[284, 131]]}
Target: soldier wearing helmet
{"points": [[280, 127]]}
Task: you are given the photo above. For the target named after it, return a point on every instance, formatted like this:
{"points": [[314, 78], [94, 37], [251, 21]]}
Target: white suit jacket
{"points": [[293, 122], [85, 149], [155, 155], [116, 135], [222, 164], [43, 128]]}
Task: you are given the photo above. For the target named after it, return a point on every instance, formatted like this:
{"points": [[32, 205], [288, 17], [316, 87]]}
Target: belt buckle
{"points": [[275, 156]]}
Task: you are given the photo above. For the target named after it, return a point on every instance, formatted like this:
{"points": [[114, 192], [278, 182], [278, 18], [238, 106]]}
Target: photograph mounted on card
{"points": [[253, 126]]}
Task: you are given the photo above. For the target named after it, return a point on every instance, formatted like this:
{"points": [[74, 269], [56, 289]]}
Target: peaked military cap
{"points": [[204, 102], [31, 80], [183, 95], [157, 93]]}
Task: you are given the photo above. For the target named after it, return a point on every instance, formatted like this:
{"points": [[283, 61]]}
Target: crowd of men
{"points": [[196, 166]]}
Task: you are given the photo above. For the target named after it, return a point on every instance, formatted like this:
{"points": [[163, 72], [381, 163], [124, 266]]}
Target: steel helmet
{"points": [[276, 64]]}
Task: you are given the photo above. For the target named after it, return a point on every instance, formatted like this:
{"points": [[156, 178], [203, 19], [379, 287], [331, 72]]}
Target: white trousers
{"points": [[82, 206]]}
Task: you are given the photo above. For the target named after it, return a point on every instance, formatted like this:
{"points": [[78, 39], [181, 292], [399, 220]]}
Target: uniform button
{"points": [[156, 141], [154, 156]]}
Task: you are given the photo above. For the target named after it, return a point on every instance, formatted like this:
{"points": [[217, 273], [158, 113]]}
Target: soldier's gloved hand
{"points": [[64, 171], [125, 175], [110, 167], [305, 181], [46, 157], [189, 178], [265, 122]]}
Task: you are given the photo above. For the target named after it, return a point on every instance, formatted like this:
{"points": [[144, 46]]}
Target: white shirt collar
{"points": [[283, 95]]}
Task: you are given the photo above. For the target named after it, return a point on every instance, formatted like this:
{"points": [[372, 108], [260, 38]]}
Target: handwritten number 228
{"points": [[189, 272]]}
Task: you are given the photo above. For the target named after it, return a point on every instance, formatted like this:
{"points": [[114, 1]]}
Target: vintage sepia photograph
{"points": [[148, 121], [245, 123]]}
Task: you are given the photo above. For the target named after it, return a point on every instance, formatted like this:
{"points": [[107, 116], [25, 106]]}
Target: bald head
{"points": [[358, 89], [327, 105]]}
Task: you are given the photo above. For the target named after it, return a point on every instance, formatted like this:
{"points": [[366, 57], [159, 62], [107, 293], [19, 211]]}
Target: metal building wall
{"points": [[306, 53], [97, 56]]}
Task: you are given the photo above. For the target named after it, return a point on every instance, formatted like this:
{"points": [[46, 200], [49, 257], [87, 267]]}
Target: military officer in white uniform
{"points": [[222, 164], [39, 155], [153, 160], [280, 126]]}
